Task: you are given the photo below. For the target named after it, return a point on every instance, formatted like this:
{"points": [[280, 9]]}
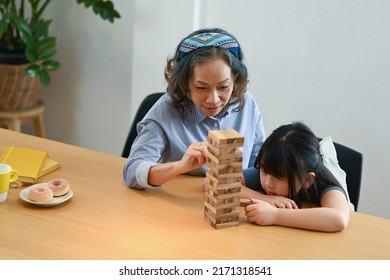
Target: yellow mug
{"points": [[7, 175]]}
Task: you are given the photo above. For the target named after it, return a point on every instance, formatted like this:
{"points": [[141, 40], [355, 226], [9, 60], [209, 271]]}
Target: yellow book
{"points": [[28, 162], [48, 166]]}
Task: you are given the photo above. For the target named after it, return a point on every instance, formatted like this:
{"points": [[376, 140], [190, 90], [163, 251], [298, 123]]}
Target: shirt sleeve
{"points": [[330, 188], [145, 152]]}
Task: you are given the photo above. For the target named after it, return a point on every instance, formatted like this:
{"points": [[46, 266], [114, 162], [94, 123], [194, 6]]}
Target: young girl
{"points": [[290, 170]]}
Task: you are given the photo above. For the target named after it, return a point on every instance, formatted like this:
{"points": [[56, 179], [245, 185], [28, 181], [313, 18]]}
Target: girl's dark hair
{"points": [[178, 71], [292, 151]]}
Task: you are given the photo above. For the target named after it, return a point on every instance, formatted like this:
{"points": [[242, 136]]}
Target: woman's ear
{"points": [[310, 177]]}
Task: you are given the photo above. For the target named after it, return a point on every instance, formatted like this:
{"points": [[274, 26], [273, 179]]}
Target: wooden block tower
{"points": [[223, 178]]}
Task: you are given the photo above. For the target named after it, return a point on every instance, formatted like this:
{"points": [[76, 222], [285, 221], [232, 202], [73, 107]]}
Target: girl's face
{"points": [[211, 86], [275, 186]]}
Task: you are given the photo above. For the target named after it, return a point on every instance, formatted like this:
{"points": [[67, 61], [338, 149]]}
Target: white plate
{"points": [[54, 202]]}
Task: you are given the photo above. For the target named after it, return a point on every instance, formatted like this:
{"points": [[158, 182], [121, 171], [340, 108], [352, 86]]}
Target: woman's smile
{"points": [[212, 111]]}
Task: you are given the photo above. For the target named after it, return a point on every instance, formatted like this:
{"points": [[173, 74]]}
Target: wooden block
{"points": [[221, 211], [223, 222], [210, 209], [222, 198], [224, 158], [226, 225], [226, 149], [216, 184], [218, 188], [220, 174], [221, 208], [229, 136], [244, 202], [223, 188], [233, 204], [228, 175], [233, 157]]}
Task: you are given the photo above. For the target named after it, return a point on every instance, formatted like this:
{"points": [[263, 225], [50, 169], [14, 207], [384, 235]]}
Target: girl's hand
{"points": [[274, 200], [195, 157], [280, 201], [260, 212]]}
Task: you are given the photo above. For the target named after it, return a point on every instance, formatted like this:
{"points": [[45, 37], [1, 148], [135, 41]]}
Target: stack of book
{"points": [[31, 164]]}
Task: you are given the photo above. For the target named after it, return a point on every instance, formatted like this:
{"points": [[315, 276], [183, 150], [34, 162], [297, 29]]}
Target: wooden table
{"points": [[106, 220]]}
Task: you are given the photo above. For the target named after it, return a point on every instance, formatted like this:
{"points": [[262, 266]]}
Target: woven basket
{"points": [[17, 91]]}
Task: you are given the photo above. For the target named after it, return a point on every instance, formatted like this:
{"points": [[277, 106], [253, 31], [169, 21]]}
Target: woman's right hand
{"points": [[195, 157]]}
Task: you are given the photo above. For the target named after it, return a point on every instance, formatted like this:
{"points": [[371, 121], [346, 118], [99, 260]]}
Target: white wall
{"points": [[325, 62]]}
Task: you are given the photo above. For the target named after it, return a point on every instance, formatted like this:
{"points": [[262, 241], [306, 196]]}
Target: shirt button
{"points": [[215, 125]]}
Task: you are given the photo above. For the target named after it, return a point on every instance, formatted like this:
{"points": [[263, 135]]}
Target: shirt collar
{"points": [[196, 115]]}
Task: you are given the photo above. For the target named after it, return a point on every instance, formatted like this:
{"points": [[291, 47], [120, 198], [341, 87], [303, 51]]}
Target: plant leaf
{"points": [[45, 77], [22, 25], [46, 53], [31, 54], [3, 26], [32, 70], [51, 65], [41, 28], [48, 42]]}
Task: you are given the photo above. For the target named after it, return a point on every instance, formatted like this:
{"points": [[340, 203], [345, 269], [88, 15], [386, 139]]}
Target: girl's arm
{"points": [[331, 216], [274, 200]]}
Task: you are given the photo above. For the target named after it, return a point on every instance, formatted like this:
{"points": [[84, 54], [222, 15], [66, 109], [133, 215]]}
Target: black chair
{"points": [[351, 162], [144, 107]]}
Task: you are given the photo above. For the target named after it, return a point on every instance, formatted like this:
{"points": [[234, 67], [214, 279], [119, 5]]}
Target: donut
{"points": [[58, 186], [40, 194]]}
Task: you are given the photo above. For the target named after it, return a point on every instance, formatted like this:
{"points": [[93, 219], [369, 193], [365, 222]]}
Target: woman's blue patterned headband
{"points": [[208, 40]]}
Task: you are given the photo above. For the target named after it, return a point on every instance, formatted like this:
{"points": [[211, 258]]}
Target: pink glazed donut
{"points": [[40, 194], [58, 186]]}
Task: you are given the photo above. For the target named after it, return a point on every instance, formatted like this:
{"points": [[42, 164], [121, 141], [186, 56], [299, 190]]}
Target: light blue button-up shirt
{"points": [[165, 133]]}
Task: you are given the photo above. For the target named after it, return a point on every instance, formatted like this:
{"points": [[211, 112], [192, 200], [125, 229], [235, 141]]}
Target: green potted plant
{"points": [[27, 48]]}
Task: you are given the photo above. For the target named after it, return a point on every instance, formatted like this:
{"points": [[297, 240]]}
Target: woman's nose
{"points": [[213, 97]]}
